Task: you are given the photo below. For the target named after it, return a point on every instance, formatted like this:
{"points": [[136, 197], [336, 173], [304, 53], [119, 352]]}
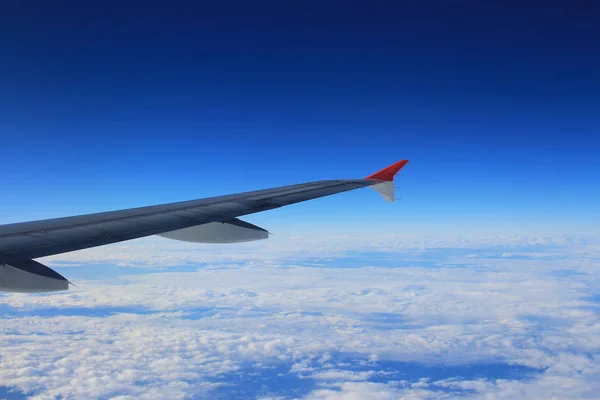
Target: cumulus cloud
{"points": [[411, 318]]}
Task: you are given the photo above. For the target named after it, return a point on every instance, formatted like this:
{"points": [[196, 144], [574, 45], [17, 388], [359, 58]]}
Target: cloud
{"points": [[452, 318]]}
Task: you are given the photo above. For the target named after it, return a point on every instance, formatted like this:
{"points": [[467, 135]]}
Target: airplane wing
{"points": [[210, 220]]}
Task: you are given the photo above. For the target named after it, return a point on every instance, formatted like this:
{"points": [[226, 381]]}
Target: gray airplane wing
{"points": [[210, 220]]}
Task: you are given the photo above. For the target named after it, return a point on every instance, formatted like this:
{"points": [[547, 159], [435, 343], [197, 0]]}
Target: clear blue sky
{"points": [[106, 105]]}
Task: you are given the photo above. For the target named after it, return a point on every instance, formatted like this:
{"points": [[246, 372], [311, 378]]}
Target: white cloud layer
{"points": [[504, 317]]}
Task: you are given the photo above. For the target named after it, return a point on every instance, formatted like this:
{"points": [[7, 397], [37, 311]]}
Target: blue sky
{"points": [[110, 106]]}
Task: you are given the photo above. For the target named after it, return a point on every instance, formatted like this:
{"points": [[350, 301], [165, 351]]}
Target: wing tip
{"points": [[388, 173]]}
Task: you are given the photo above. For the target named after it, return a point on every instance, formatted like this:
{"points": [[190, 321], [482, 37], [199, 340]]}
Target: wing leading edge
{"points": [[25, 241]]}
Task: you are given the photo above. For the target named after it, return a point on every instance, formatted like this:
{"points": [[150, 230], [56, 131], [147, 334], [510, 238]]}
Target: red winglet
{"points": [[387, 174]]}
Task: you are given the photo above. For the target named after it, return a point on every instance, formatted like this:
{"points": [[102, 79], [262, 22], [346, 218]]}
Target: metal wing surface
{"points": [[36, 239], [195, 220]]}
